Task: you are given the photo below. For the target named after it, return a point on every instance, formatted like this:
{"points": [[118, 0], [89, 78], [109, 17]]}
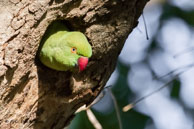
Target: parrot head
{"points": [[79, 50], [63, 50]]}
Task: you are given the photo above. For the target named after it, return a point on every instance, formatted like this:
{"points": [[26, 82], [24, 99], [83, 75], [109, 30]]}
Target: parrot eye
{"points": [[73, 50]]}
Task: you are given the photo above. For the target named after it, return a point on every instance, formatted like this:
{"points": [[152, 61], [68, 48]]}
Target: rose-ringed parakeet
{"points": [[63, 50]]}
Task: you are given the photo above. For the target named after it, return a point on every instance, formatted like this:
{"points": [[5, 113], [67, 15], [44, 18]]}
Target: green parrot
{"points": [[63, 50]]}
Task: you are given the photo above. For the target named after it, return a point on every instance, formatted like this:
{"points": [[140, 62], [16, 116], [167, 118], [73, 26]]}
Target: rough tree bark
{"points": [[33, 96]]}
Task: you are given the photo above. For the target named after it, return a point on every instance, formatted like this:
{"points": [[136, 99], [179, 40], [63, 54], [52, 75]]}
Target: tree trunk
{"points": [[34, 96]]}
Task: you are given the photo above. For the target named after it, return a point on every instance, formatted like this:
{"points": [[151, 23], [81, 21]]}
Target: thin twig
{"points": [[175, 70], [108, 86], [84, 107], [93, 119], [184, 51], [116, 108], [131, 105], [146, 30], [139, 29]]}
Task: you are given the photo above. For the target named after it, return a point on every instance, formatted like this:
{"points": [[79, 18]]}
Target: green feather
{"points": [[56, 45]]}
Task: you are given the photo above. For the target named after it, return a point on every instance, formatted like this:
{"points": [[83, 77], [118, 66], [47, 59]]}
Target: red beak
{"points": [[82, 63]]}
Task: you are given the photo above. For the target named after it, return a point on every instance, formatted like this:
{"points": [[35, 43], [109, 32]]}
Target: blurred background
{"points": [[141, 68]]}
